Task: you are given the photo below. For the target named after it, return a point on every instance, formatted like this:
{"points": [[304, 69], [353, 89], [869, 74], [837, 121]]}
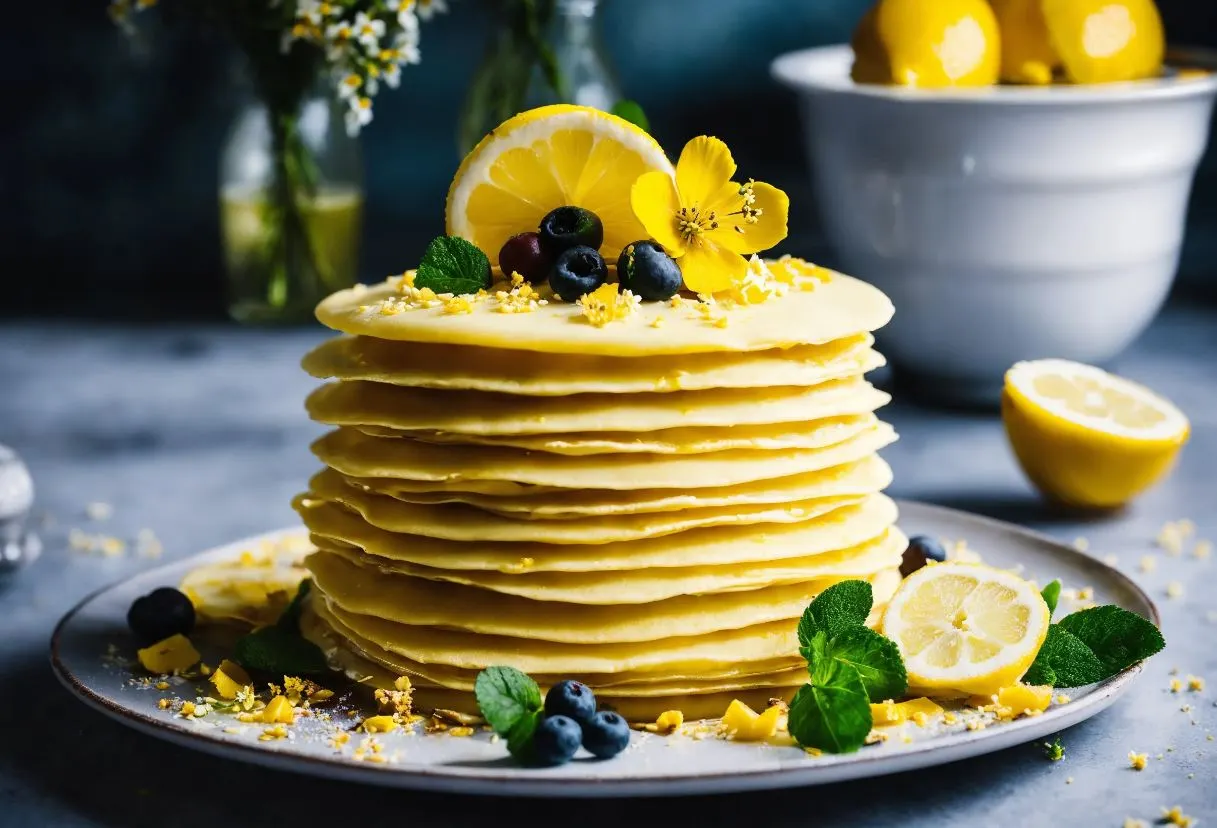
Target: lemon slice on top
{"points": [[965, 628], [1087, 437], [551, 157]]}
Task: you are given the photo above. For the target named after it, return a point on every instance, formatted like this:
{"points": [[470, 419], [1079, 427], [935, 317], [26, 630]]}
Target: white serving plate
{"points": [[652, 766]]}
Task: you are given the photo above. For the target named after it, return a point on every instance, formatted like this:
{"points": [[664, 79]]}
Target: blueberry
{"points": [[555, 741], [578, 271], [646, 269], [571, 698], [160, 614], [606, 734], [522, 254], [568, 227], [921, 549]]}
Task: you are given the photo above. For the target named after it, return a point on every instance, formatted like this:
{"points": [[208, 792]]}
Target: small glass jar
{"points": [[291, 207]]}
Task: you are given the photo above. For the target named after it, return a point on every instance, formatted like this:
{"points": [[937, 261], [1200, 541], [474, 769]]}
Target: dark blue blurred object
{"points": [[109, 178]]}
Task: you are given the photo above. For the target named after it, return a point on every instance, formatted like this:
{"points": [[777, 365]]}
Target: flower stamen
{"points": [[691, 223]]}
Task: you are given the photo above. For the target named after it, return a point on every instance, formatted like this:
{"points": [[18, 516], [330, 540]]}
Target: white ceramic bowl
{"points": [[1005, 223]]}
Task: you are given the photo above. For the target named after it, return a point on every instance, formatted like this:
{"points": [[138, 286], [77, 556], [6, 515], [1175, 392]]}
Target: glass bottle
{"points": [[291, 207], [544, 52]]}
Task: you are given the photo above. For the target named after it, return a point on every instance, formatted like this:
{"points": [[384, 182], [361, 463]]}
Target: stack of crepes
{"points": [[646, 506]]}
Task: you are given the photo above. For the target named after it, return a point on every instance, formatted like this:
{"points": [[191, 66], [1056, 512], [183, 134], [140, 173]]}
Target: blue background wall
{"points": [[108, 167]]}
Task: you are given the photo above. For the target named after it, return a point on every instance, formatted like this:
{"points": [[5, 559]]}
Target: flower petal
{"points": [[770, 227], [655, 203], [709, 268], [705, 165]]}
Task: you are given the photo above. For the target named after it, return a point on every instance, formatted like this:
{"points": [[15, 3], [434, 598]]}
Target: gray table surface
{"points": [[199, 435]]}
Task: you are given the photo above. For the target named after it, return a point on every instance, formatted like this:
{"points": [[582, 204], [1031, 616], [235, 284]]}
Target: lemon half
{"points": [[1090, 41], [549, 157], [1086, 437], [928, 44], [966, 629]]}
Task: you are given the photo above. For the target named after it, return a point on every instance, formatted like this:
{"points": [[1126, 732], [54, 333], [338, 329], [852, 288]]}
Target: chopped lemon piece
{"points": [[1023, 697], [172, 655], [893, 713], [1086, 437], [379, 724], [669, 721], [966, 628], [744, 724], [229, 679], [278, 710], [551, 157]]}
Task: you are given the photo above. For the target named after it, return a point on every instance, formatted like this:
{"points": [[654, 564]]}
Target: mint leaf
{"points": [[875, 658], [1052, 594], [1041, 673], [453, 265], [837, 608], [815, 651], [630, 111], [506, 696], [290, 619], [1064, 661], [519, 738], [279, 650], [1118, 638], [834, 715]]}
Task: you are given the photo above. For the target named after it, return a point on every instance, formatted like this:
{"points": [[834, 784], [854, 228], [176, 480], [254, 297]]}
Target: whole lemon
{"points": [[1089, 41], [928, 44]]}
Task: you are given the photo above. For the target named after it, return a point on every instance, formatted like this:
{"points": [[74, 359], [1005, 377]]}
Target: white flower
{"points": [[310, 12], [392, 73], [429, 8], [369, 31], [349, 86], [338, 38], [359, 115], [405, 44], [408, 20]]}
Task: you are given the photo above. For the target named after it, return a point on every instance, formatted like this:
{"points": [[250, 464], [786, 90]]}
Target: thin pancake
{"points": [[461, 649], [839, 529], [467, 368], [644, 586], [358, 455], [870, 474], [838, 308], [482, 413], [458, 522], [406, 600], [697, 440], [428, 697]]}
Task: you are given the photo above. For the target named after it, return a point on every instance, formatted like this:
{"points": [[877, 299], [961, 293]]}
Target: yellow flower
{"points": [[707, 221]]}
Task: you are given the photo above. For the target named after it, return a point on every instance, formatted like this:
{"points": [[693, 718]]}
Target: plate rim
{"points": [[491, 781]]}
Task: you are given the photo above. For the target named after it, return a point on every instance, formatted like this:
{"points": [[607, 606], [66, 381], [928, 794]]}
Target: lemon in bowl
{"points": [[1085, 41], [1006, 222], [928, 44], [1088, 438]]}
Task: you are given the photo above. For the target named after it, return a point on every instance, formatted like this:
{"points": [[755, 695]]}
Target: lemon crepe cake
{"points": [[641, 495]]}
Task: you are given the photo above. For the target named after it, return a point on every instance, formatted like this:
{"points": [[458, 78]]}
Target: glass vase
{"points": [[543, 52], [291, 206]]}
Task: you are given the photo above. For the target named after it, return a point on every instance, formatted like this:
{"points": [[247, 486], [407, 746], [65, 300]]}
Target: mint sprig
{"points": [[850, 666], [511, 704], [453, 265], [1093, 645], [832, 714], [280, 648]]}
